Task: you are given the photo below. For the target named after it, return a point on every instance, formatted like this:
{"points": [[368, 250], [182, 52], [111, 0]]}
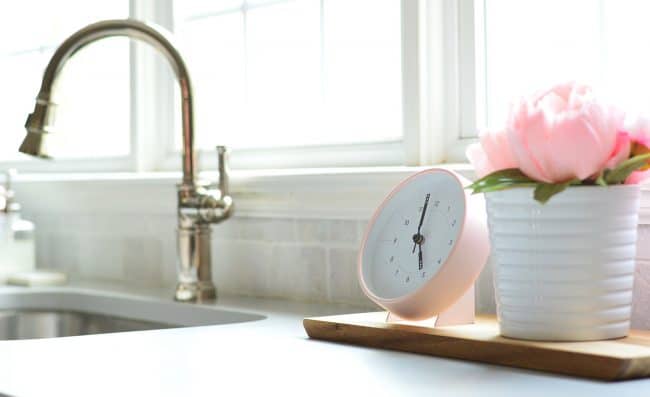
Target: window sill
{"points": [[329, 193], [238, 178]]}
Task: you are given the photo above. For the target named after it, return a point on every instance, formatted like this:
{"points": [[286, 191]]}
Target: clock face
{"points": [[413, 234]]}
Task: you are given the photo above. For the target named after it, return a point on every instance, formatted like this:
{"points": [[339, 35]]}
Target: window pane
{"points": [[197, 9], [214, 48], [21, 77], [93, 92], [598, 42], [533, 43], [283, 74], [625, 55], [93, 113], [363, 86], [293, 73]]}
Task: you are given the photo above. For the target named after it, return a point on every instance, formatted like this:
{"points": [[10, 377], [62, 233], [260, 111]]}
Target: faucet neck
{"points": [[157, 37]]}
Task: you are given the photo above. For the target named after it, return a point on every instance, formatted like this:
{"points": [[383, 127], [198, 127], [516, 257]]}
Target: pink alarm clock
{"points": [[424, 246]]}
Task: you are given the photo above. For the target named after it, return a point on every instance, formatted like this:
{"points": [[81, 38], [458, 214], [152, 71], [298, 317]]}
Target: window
{"points": [[530, 44], [282, 82], [294, 72], [94, 81], [312, 83]]}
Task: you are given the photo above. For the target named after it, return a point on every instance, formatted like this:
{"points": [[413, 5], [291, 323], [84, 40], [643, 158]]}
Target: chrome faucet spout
{"points": [[40, 121], [198, 206]]}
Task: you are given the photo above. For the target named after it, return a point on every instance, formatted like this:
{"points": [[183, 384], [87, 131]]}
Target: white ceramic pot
{"points": [[564, 270]]}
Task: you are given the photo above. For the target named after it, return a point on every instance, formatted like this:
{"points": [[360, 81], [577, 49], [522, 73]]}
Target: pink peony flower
{"points": [[493, 153], [565, 133], [621, 151]]}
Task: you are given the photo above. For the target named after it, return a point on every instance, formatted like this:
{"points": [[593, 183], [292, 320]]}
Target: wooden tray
{"points": [[618, 359]]}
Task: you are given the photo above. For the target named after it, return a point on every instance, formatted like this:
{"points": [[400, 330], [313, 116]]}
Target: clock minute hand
{"points": [[424, 211], [418, 236]]}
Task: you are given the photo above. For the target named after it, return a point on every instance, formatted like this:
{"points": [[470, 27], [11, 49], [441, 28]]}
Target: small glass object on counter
{"points": [[17, 248]]}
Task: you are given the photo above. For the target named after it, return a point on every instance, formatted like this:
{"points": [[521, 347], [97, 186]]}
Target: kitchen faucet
{"points": [[199, 204]]}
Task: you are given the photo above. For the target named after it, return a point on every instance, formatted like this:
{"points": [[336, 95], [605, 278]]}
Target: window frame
{"points": [[465, 58], [434, 88], [439, 97]]}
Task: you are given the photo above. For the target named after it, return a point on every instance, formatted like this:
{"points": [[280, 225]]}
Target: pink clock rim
{"points": [[372, 221]]}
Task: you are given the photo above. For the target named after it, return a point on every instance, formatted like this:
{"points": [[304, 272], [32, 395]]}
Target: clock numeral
{"points": [[420, 209], [424, 274], [436, 203], [408, 279], [453, 223], [406, 222], [396, 272], [439, 260], [391, 259], [451, 242], [394, 240], [448, 208]]}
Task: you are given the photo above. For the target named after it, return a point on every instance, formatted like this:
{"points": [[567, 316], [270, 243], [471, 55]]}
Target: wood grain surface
{"points": [[618, 359]]}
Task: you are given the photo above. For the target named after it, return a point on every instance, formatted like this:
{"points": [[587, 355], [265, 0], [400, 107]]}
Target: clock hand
{"points": [[417, 238], [420, 265], [424, 211]]}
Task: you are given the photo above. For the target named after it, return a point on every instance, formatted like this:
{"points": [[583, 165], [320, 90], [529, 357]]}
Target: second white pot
{"points": [[565, 269]]}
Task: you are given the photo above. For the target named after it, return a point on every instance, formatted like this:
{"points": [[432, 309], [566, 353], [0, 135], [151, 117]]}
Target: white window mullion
{"points": [[464, 67], [432, 80], [411, 81], [323, 63], [244, 32], [467, 66], [153, 111]]}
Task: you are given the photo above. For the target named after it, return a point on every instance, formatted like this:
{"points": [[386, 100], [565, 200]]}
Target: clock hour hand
{"points": [[420, 265], [417, 238]]}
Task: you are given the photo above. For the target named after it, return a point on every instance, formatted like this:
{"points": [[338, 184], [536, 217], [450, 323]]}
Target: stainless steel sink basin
{"points": [[50, 313], [29, 324]]}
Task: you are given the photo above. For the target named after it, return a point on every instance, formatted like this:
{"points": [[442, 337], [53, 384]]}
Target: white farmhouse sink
{"points": [[27, 314]]}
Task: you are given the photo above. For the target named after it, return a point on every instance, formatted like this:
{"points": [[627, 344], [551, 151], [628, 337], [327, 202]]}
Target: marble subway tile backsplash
{"points": [[300, 259]]}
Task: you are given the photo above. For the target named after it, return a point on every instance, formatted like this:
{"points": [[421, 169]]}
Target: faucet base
{"points": [[194, 264], [195, 292]]}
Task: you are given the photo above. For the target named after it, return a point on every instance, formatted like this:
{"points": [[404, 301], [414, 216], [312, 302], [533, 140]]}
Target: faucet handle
{"points": [[222, 167]]}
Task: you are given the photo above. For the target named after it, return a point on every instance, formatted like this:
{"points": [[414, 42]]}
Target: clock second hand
{"points": [[417, 238]]}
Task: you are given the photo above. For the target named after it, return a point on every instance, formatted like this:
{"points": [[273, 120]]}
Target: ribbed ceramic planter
{"points": [[565, 269]]}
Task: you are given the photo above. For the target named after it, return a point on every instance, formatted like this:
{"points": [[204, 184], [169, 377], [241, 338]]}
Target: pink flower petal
{"points": [[493, 153], [523, 127], [621, 150], [564, 133], [637, 177], [477, 157]]}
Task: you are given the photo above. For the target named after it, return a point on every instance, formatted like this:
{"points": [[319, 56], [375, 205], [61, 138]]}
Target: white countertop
{"points": [[268, 357]]}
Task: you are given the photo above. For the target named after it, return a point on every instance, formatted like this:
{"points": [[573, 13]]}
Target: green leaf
{"points": [[501, 186], [601, 179], [544, 191], [623, 170], [503, 179], [514, 178]]}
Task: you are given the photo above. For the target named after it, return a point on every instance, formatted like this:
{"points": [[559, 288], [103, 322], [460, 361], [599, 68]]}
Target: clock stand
{"points": [[460, 312]]}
